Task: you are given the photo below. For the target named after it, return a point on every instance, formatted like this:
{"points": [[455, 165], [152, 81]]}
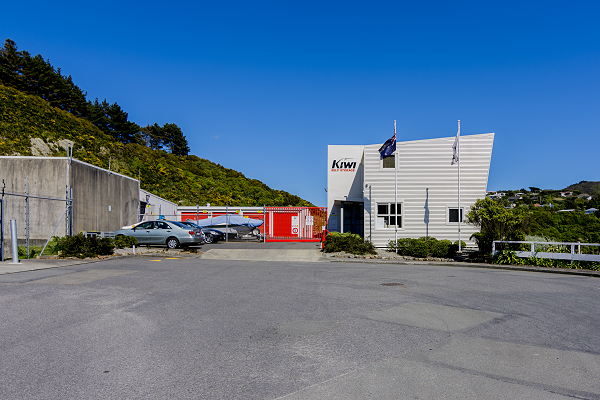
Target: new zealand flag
{"points": [[388, 148]]}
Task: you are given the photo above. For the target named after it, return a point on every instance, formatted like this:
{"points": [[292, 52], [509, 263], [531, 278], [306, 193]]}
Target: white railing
{"points": [[574, 255]]}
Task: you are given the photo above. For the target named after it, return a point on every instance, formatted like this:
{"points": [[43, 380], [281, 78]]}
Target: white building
{"points": [[360, 193], [152, 207]]}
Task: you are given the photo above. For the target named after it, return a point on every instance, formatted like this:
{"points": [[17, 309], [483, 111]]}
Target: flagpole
{"points": [[459, 209], [396, 186]]}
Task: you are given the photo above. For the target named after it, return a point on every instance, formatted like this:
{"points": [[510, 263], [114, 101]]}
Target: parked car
{"points": [[173, 234], [210, 235], [213, 235]]}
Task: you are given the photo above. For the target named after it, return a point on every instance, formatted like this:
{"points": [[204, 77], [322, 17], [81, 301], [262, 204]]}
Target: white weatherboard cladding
{"points": [[427, 185]]}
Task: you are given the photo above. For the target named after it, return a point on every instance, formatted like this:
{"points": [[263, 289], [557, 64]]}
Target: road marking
{"points": [[155, 260], [169, 258]]}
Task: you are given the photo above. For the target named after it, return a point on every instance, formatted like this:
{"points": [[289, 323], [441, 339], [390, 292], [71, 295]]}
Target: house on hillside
{"points": [[514, 198], [361, 197], [495, 195]]}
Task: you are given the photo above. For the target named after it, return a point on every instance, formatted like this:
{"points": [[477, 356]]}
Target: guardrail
{"points": [[574, 255]]}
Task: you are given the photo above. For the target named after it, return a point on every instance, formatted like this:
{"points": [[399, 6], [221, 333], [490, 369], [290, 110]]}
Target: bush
{"points": [[83, 247], [424, 247], [507, 257], [399, 246], [347, 242], [454, 248], [510, 257], [442, 249], [23, 252], [123, 241], [495, 223], [51, 247]]}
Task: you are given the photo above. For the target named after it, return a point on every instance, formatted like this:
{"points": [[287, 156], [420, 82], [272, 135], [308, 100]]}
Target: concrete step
{"points": [[302, 255]]}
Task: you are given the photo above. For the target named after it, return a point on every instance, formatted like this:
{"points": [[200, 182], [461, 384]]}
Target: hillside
{"points": [[592, 188], [30, 126]]}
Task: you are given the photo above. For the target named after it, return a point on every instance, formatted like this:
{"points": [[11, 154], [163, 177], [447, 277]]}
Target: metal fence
{"points": [[37, 218], [567, 251], [295, 224], [281, 224]]}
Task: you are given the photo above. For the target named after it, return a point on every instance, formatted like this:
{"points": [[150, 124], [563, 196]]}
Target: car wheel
{"points": [[209, 238], [172, 243]]}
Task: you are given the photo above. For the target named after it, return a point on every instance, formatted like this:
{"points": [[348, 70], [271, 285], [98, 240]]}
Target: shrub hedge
{"points": [[348, 242], [123, 241], [81, 246], [424, 247]]}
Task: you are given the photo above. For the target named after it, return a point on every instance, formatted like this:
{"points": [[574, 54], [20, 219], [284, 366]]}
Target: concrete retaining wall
{"points": [[46, 178], [102, 200]]}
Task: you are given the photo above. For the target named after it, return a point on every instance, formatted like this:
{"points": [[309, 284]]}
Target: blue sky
{"points": [[264, 87]]}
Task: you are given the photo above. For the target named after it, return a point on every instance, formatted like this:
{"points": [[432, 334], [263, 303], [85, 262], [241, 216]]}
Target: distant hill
{"points": [[31, 126], [588, 187]]}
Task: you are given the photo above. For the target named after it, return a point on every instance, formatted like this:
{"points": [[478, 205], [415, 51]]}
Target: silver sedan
{"points": [[173, 234]]}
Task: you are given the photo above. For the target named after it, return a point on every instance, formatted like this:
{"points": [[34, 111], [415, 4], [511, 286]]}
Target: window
{"points": [[389, 162], [161, 225], [389, 215], [452, 214], [145, 225]]}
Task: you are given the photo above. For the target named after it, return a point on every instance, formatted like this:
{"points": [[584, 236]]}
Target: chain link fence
{"points": [[38, 219]]}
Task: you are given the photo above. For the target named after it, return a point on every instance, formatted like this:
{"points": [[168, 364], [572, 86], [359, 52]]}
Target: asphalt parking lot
{"points": [[169, 327]]}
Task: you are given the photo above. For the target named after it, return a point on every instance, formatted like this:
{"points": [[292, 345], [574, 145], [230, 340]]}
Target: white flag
{"points": [[455, 149]]}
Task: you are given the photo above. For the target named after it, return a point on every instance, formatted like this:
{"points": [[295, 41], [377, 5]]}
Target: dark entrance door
{"points": [[354, 218]]}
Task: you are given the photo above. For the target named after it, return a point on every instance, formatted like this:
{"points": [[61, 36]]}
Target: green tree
{"points": [[123, 130], [97, 115], [495, 222], [168, 137], [34, 75], [175, 140], [574, 226], [152, 137], [112, 120], [11, 66]]}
